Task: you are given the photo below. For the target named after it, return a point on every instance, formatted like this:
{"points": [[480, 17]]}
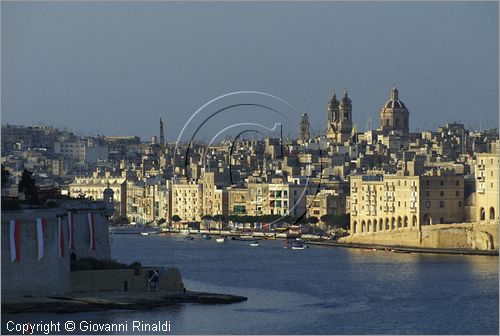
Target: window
{"points": [[441, 204], [457, 183], [441, 193], [427, 204], [427, 182], [427, 193], [457, 193], [459, 204], [441, 183]]}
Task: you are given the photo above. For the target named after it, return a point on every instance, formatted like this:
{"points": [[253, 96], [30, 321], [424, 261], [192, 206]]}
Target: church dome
{"points": [[394, 102]]}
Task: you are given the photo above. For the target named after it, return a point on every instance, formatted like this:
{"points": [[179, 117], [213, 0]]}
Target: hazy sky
{"points": [[116, 68]]}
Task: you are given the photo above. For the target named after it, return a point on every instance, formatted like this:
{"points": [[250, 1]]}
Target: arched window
{"points": [[369, 227], [414, 222], [354, 227], [387, 223], [492, 213], [400, 222], [363, 226], [482, 214], [386, 122], [380, 224], [393, 223], [374, 225], [405, 222]]}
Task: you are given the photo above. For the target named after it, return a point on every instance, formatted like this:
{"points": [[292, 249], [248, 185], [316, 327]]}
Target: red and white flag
{"points": [[71, 239], [90, 217], [40, 230], [60, 237], [15, 243]]}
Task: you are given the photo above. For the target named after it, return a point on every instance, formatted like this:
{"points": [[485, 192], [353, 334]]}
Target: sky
{"points": [[117, 68]]}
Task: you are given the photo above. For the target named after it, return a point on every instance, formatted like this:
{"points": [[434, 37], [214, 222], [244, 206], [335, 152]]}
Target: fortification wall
{"points": [[29, 276], [463, 235], [125, 280]]}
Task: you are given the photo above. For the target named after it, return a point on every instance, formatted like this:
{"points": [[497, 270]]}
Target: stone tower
{"points": [[394, 116], [162, 136], [339, 119], [304, 128]]}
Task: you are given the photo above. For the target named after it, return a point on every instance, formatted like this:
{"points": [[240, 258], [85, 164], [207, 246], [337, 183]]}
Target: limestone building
{"points": [[94, 186], [399, 202], [339, 119], [187, 200], [487, 188], [394, 116]]}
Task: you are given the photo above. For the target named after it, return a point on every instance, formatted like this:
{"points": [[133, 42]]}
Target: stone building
{"points": [[326, 202], [187, 200], [487, 187], [398, 202], [94, 186]]}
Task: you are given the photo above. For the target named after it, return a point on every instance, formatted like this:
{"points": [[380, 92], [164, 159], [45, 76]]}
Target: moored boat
{"points": [[220, 240], [206, 236], [254, 244]]}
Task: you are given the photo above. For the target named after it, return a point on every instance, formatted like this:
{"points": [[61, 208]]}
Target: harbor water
{"points": [[319, 290]]}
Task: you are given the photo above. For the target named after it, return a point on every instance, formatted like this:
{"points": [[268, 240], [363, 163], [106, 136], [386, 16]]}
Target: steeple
{"points": [[162, 137]]}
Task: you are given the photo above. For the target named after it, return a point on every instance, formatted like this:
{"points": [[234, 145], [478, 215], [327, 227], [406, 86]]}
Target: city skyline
{"points": [[124, 64]]}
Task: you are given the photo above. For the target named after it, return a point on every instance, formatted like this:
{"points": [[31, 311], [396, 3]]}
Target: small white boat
{"points": [[254, 244], [299, 247], [184, 232], [145, 233], [220, 240]]}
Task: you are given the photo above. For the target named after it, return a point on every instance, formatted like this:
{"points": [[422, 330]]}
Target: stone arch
{"points": [[414, 221], [354, 227], [427, 220], [492, 213], [405, 221], [387, 122], [369, 226], [363, 226], [400, 222], [393, 223], [482, 214], [380, 224], [387, 227], [374, 225]]}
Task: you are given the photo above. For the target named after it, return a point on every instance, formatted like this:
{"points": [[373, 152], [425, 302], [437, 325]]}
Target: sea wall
{"points": [[463, 235], [125, 280]]}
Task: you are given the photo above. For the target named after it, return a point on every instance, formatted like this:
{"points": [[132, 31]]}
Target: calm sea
{"points": [[314, 291]]}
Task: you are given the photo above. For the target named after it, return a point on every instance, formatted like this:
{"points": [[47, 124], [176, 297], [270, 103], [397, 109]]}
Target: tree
{"points": [[27, 186], [207, 218], [5, 177], [313, 220]]}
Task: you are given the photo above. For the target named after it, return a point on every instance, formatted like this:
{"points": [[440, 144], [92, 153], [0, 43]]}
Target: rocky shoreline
{"points": [[99, 301]]}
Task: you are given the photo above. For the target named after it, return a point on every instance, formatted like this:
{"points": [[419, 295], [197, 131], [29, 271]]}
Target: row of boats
{"points": [[294, 245]]}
